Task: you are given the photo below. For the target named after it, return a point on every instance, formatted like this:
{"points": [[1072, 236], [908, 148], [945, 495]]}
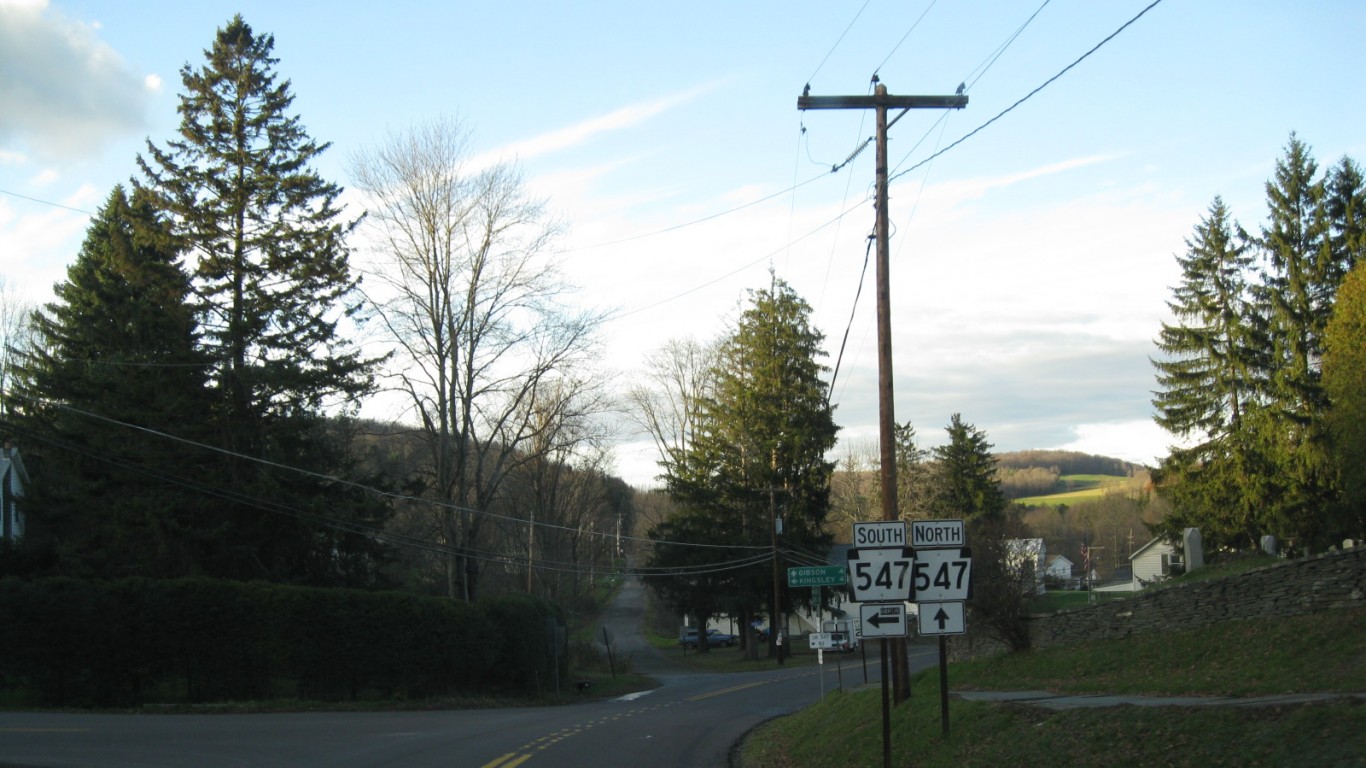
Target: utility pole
{"points": [[881, 101]]}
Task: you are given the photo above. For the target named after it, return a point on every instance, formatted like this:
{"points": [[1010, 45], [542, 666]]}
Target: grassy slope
{"points": [[1322, 652], [1083, 487]]}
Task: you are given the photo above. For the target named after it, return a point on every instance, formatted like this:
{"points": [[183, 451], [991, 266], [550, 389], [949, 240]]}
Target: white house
{"points": [[1154, 562], [1058, 569], [12, 480]]}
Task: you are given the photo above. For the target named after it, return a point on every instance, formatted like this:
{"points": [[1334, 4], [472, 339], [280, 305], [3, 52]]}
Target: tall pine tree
{"points": [[114, 374], [1212, 379], [271, 268], [1303, 270], [760, 450]]}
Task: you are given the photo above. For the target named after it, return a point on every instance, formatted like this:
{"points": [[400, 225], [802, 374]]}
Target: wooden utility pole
{"points": [[881, 101]]}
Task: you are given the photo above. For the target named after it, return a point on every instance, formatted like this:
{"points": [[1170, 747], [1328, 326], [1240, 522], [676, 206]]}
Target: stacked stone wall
{"points": [[1331, 581]]}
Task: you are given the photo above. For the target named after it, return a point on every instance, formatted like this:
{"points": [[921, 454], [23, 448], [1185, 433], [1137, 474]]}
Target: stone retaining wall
{"points": [[1326, 582]]}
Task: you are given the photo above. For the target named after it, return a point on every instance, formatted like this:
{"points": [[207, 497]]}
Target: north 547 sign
{"points": [[942, 575], [880, 575]]}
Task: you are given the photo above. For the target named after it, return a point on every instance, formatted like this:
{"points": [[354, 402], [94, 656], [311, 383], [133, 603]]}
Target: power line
{"points": [[373, 490], [1031, 94], [838, 40], [903, 37], [45, 202]]}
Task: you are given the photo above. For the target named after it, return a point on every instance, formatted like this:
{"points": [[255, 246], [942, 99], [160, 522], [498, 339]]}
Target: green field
{"points": [[1316, 653], [1080, 488]]}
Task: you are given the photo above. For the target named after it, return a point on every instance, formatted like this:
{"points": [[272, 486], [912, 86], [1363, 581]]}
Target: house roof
{"points": [[1155, 542]]}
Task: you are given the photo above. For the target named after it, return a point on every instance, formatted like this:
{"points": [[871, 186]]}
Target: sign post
{"points": [[943, 580]]}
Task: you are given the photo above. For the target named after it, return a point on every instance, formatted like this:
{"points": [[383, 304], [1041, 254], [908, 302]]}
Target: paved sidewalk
{"points": [[1059, 701]]}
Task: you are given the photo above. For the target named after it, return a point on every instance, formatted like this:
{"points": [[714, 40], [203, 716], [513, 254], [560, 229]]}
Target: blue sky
{"points": [[1030, 264]]}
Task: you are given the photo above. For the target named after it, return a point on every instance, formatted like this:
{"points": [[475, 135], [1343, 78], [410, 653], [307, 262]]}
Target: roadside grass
{"points": [[845, 731], [1318, 653], [1252, 657]]}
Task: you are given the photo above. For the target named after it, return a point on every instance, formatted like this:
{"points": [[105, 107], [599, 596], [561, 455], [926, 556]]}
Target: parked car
{"points": [[687, 637]]}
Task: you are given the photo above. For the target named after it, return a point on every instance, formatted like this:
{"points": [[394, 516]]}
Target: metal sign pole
{"points": [[944, 684]]}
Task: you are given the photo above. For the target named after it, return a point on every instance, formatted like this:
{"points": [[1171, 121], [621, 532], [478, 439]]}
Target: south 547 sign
{"points": [[881, 575]]}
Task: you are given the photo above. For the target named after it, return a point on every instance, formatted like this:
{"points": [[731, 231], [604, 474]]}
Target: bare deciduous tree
{"points": [[477, 310], [667, 403], [15, 335]]}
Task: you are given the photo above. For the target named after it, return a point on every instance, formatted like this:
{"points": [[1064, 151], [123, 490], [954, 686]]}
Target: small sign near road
{"points": [[818, 576], [821, 641], [887, 620], [942, 619]]}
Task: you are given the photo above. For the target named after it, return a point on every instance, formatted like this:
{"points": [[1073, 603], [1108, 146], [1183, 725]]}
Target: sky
{"points": [[1030, 263]]}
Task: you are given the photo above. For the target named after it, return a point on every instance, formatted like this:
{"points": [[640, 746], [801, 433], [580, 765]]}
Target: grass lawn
{"points": [[1068, 599], [1319, 653]]}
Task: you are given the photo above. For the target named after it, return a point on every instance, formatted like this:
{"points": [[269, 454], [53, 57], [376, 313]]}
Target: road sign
{"points": [[821, 641], [818, 576], [880, 534], [887, 620], [880, 575], [938, 534], [942, 619], [942, 575]]}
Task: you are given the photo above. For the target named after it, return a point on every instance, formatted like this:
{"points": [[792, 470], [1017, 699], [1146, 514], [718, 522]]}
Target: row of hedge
{"points": [[125, 643]]}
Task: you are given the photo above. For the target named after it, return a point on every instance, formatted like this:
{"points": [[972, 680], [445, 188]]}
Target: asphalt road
{"points": [[691, 721]]}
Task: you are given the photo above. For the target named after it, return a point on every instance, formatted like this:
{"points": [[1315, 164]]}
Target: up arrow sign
{"points": [[941, 619]]}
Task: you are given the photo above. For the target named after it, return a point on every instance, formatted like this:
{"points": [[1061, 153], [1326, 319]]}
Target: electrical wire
{"points": [[376, 491], [863, 274], [1031, 94], [839, 40], [903, 38]]}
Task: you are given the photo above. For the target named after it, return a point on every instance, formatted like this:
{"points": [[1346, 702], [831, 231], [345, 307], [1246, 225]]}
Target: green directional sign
{"points": [[817, 576]]}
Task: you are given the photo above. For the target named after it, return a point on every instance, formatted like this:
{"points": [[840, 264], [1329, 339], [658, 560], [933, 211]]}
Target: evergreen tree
{"points": [[1303, 272], [273, 276], [1344, 378], [1213, 377], [115, 370], [758, 458], [966, 484]]}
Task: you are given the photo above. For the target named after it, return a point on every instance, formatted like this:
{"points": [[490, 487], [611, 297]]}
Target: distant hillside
{"points": [[1028, 474], [1066, 463]]}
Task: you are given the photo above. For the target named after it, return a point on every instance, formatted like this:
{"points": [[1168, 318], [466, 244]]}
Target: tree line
{"points": [[1260, 376], [187, 404]]}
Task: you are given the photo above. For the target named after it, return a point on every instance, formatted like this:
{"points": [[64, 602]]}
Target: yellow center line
{"points": [[510, 760], [725, 690]]}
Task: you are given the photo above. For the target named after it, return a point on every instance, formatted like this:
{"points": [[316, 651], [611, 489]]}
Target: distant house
{"points": [[13, 477], [1154, 562], [1058, 570]]}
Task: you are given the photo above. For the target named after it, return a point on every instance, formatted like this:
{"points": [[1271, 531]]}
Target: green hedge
{"points": [[125, 643]]}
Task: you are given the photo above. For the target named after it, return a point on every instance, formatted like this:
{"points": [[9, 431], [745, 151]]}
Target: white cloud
{"points": [[586, 130], [64, 92], [46, 177], [1142, 442]]}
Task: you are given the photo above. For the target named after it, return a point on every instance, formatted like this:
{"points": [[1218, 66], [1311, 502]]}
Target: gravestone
{"points": [[1195, 549], [1269, 544]]}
